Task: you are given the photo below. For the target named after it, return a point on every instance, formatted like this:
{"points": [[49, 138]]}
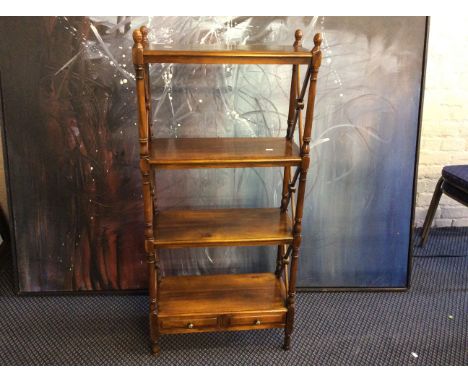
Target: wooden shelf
{"points": [[222, 227], [221, 302], [223, 294], [226, 54], [177, 153]]}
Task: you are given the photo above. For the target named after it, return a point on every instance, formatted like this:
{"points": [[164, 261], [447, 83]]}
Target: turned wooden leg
{"points": [[154, 274], [155, 349], [291, 302], [289, 322], [154, 334], [287, 341]]}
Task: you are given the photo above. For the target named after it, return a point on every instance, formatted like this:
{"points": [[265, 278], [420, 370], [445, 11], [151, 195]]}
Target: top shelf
{"points": [[226, 54]]}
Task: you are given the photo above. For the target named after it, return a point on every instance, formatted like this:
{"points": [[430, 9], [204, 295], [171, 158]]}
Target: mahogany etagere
{"points": [[190, 304]]}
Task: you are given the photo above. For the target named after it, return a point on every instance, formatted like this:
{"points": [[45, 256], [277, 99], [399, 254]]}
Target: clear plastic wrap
{"points": [[356, 225]]}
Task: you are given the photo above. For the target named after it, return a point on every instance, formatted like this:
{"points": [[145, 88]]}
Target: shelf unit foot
{"points": [[287, 342], [155, 349]]}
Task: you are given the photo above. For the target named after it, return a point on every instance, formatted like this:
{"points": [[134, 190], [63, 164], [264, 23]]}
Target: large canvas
{"points": [[71, 146]]}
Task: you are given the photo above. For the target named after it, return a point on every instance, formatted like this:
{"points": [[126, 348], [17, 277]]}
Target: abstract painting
{"points": [[71, 146]]}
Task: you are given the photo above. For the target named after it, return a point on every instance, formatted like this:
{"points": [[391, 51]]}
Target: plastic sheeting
{"points": [[356, 226]]}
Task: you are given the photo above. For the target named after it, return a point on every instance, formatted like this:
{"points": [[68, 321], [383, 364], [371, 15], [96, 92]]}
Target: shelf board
{"points": [[226, 54], [221, 294], [222, 227], [177, 153]]}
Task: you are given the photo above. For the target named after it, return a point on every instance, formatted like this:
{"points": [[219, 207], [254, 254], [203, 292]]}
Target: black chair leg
{"points": [[431, 212]]}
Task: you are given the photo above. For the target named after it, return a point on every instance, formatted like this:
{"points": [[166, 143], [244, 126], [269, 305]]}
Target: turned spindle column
{"points": [[143, 99], [305, 154], [287, 170]]}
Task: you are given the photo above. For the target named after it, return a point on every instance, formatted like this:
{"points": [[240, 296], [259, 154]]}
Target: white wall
{"points": [[444, 135]]}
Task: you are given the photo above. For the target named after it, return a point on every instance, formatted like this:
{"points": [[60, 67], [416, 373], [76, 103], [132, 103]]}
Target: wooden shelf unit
{"points": [[188, 304]]}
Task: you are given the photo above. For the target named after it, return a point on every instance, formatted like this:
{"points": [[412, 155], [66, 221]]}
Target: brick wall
{"points": [[444, 135]]}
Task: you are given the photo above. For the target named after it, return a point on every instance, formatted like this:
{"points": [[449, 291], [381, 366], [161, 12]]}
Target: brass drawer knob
{"points": [[258, 322], [190, 326]]}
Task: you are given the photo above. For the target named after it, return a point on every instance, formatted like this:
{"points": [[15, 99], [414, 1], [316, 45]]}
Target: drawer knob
{"points": [[258, 322], [190, 326]]}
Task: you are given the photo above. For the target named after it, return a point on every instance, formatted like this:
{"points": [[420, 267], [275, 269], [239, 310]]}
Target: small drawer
{"points": [[256, 320], [188, 323]]}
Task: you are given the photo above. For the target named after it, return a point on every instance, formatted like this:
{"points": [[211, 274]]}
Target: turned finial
{"points": [[137, 37], [144, 32], [298, 36], [137, 51], [317, 42], [316, 55]]}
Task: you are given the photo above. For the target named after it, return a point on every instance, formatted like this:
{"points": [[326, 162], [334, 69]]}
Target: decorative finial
{"points": [[298, 36], [316, 55], [137, 36], [137, 51], [317, 41], [144, 32]]}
